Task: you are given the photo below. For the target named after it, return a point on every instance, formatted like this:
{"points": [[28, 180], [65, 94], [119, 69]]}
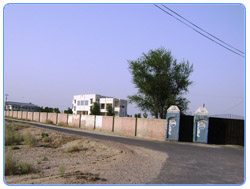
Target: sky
{"points": [[55, 51]]}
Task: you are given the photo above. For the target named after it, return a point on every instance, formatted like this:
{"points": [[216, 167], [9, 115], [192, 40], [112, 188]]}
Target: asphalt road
{"points": [[188, 163]]}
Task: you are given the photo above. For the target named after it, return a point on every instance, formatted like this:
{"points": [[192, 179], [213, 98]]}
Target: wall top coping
{"points": [[173, 109], [201, 111]]}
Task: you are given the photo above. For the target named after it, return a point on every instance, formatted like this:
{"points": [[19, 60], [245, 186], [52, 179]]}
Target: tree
{"points": [[56, 110], [137, 115], [145, 115], [69, 111], [110, 111], [95, 109], [161, 82]]}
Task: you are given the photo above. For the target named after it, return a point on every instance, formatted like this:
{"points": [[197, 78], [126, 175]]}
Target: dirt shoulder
{"points": [[60, 158]]}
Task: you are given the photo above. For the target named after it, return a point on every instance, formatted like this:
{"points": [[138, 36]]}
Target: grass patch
{"points": [[61, 171], [49, 122], [30, 140], [73, 149], [62, 124], [13, 167], [11, 135], [10, 165], [44, 135], [45, 158], [15, 148]]}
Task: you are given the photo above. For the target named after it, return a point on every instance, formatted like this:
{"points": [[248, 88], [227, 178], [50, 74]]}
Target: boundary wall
{"points": [[220, 131]]}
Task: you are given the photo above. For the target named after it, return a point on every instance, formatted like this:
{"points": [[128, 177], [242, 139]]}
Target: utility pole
{"points": [[6, 97]]}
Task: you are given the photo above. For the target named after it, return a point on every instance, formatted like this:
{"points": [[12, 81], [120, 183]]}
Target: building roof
{"points": [[21, 104]]}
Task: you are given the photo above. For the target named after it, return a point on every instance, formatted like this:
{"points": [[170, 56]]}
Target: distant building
{"points": [[81, 104], [20, 106]]}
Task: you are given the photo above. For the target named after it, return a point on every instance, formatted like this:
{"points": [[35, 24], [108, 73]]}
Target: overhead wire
{"points": [[203, 30], [199, 31]]}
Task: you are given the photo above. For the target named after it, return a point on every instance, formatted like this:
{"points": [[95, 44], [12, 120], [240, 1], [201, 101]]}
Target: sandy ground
{"points": [[85, 160]]}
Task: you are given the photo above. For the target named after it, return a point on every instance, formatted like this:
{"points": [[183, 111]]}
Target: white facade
{"points": [[81, 104]]}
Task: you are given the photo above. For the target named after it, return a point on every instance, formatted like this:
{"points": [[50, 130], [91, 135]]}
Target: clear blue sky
{"points": [[55, 51]]}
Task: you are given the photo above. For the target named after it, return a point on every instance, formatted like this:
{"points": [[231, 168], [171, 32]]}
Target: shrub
{"points": [[61, 171], [15, 148], [48, 121], [44, 135], [25, 168], [11, 136], [45, 158], [73, 149], [10, 165], [30, 140], [62, 124]]}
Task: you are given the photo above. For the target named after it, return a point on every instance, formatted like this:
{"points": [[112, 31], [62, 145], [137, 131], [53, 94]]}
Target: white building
{"points": [[81, 104]]}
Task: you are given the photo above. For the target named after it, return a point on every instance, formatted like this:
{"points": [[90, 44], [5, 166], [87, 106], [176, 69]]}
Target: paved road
{"points": [[188, 163]]}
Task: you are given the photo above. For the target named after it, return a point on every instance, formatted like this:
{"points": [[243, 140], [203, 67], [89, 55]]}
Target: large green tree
{"points": [[95, 109], [161, 82]]}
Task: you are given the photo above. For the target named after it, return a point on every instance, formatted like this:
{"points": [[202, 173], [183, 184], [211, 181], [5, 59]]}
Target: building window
{"points": [[78, 102], [74, 101], [102, 106], [74, 108], [86, 102], [82, 102], [91, 101]]}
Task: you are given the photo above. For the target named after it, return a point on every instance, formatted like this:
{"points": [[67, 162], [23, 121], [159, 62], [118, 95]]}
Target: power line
{"points": [[198, 31], [203, 30]]}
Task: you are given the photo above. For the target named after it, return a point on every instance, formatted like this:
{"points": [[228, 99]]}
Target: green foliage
{"points": [[13, 167], [10, 165], [15, 148], [145, 115], [25, 168], [11, 135], [161, 82], [49, 122], [61, 171], [56, 110], [137, 115], [48, 109], [30, 140], [110, 111], [44, 135], [95, 109], [69, 111], [73, 149]]}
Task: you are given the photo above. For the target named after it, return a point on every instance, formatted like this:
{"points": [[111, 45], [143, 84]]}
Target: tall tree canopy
{"points": [[95, 109], [161, 82]]}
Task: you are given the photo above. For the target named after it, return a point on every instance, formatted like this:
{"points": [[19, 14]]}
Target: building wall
{"points": [[25, 114], [52, 117], [30, 116], [124, 126], [74, 120], [43, 117], [62, 119], [107, 123], [151, 128], [36, 116]]}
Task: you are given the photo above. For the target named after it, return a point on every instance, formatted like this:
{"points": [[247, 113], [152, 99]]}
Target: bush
{"points": [[44, 135], [62, 124], [10, 165], [25, 168], [73, 149], [15, 148], [11, 136], [48, 121], [30, 140]]}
